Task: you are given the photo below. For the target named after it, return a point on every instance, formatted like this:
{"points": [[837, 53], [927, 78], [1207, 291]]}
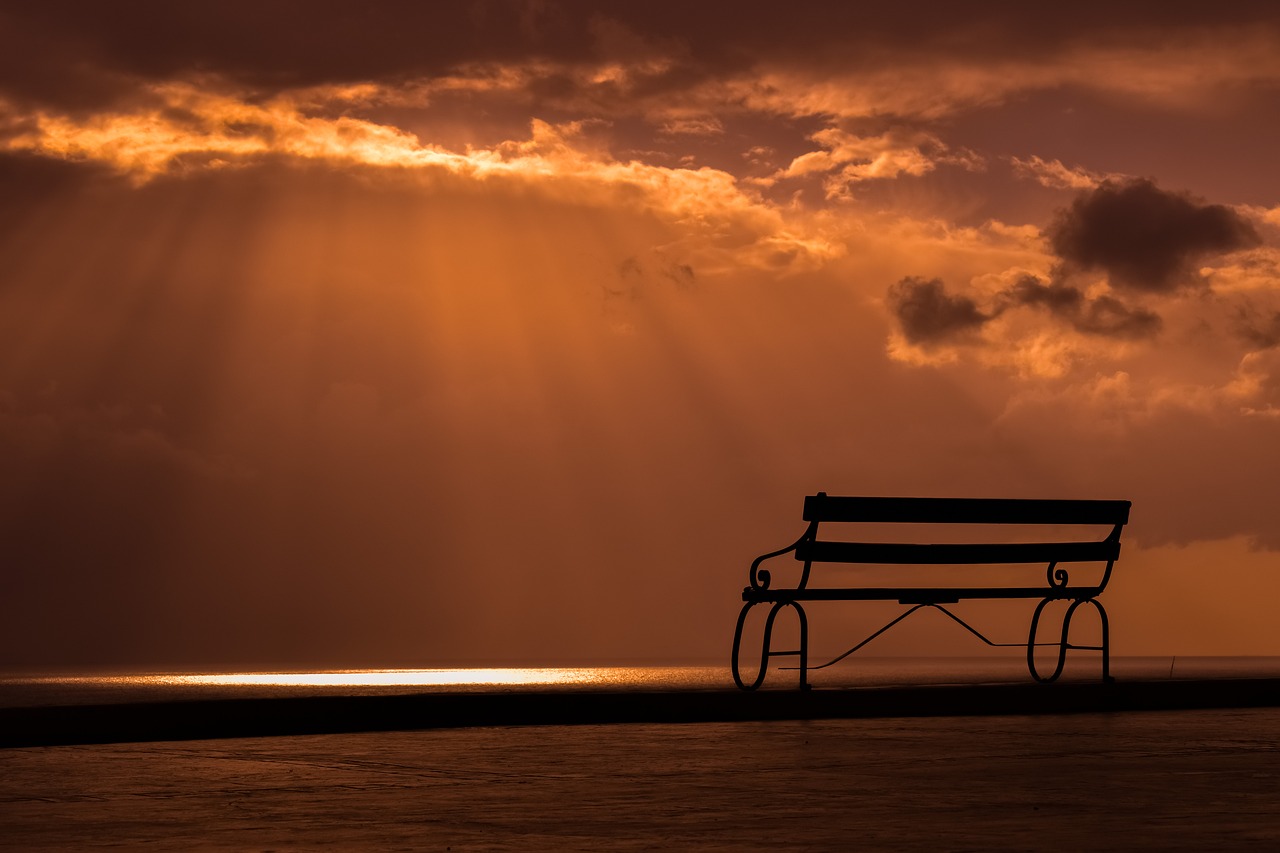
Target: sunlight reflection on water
{"points": [[115, 687], [388, 677], [50, 689], [448, 677]]}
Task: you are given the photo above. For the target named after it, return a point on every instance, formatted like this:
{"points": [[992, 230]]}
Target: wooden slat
{"points": [[917, 595], [822, 507], [915, 554]]}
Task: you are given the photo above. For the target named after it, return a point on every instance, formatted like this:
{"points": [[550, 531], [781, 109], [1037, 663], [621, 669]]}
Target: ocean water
{"points": [[1162, 780], [27, 690]]}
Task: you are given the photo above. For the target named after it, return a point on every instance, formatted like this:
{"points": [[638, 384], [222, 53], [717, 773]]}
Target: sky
{"points": [[408, 334]]}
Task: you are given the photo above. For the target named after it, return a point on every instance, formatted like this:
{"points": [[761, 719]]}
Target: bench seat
{"points": [[914, 595]]}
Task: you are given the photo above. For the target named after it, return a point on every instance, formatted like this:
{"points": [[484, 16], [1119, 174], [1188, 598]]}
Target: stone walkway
{"points": [[1153, 780]]}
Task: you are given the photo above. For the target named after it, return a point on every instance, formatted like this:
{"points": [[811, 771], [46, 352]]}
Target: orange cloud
{"points": [[848, 159], [1184, 72], [1055, 175], [185, 126]]}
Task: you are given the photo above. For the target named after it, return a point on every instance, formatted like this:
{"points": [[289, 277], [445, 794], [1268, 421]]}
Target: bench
{"points": [[810, 549]]}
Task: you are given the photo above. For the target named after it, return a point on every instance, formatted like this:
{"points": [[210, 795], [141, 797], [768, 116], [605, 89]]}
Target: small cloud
{"points": [[1104, 315], [1144, 238], [1029, 290], [847, 159], [692, 125], [681, 274], [927, 313], [1109, 317], [1263, 332], [1256, 386], [1055, 175]]}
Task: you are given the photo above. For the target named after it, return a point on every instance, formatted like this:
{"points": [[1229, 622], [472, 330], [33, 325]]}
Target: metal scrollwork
{"points": [[1057, 579], [760, 578]]}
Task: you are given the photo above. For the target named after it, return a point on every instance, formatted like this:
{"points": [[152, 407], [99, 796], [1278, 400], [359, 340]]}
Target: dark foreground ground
{"points": [[1160, 780]]}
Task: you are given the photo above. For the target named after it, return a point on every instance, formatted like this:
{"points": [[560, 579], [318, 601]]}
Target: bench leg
{"points": [[803, 651], [737, 645], [1064, 644], [1106, 641], [765, 651]]}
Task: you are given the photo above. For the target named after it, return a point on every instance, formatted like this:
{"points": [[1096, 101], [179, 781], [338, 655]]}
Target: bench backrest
{"points": [[833, 508]]}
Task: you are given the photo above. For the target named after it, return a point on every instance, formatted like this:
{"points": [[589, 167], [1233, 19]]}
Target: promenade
{"points": [[1158, 780]]}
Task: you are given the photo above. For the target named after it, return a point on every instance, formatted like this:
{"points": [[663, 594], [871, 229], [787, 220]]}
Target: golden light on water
{"points": [[367, 678], [392, 677], [358, 681]]}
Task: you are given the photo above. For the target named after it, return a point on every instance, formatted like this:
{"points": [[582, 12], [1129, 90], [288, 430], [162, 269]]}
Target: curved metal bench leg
{"points": [[1063, 644], [737, 644], [765, 653], [1031, 645]]}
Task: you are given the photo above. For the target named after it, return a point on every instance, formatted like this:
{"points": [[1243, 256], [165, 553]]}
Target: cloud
{"points": [[1262, 332], [1144, 238], [691, 125], [1055, 175], [847, 158], [608, 59], [187, 127], [1103, 315], [1108, 316], [937, 77], [1256, 385], [927, 313], [1158, 251]]}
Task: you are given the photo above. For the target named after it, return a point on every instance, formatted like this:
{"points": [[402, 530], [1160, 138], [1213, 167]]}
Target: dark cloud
{"points": [[82, 52], [1261, 331], [1057, 297], [1145, 238], [1103, 315], [927, 313], [69, 52], [1111, 318]]}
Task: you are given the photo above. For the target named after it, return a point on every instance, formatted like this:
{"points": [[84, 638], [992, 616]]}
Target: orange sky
{"points": [[511, 332]]}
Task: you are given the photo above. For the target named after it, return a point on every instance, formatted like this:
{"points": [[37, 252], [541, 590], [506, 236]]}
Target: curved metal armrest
{"points": [[760, 577]]}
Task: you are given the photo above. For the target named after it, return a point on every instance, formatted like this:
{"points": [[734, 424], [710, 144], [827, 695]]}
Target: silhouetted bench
{"points": [[812, 550]]}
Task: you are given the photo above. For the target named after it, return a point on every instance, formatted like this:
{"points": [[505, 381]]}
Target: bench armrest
{"points": [[760, 578]]}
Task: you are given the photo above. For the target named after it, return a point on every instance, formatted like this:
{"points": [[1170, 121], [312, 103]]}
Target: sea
{"points": [[96, 687], [1152, 780]]}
